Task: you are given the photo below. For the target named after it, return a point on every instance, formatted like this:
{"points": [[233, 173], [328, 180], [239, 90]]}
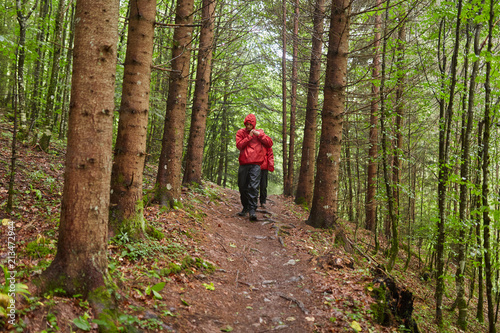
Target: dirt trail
{"points": [[261, 284]]}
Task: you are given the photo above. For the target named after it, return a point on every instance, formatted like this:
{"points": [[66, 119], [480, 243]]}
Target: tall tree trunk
{"points": [[168, 181], [194, 154], [13, 157], [21, 58], [82, 240], [444, 143], [126, 211], [467, 120], [385, 166], [293, 104], [476, 219], [347, 162], [305, 184], [485, 189], [67, 75], [40, 51], [398, 144], [19, 97], [324, 207], [371, 187], [284, 108], [53, 82]]}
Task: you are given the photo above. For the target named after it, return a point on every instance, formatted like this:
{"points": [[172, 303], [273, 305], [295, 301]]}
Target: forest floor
{"points": [[213, 271]]}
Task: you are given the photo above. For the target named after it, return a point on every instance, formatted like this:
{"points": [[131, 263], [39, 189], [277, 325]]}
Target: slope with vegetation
{"points": [[205, 269]]}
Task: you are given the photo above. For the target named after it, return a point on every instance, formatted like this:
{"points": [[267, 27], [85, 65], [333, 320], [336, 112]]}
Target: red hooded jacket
{"points": [[252, 148], [268, 163]]}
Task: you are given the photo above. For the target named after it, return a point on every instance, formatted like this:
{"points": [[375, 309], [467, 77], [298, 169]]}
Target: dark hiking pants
{"points": [[263, 186], [248, 184]]}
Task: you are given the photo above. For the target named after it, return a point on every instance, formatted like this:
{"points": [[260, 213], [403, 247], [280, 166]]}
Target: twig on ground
{"points": [[296, 301], [221, 244]]}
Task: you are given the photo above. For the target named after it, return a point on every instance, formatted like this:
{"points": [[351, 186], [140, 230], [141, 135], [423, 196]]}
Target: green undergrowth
{"points": [[147, 249]]}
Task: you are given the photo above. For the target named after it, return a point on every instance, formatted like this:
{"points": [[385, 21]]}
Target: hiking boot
{"points": [[263, 206], [253, 217], [244, 212]]}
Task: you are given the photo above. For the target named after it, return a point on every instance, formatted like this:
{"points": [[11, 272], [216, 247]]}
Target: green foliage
{"points": [[52, 323], [154, 233], [149, 249], [9, 290], [40, 248], [82, 322], [188, 262], [155, 290]]}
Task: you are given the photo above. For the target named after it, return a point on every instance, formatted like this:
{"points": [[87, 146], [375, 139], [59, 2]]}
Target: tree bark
{"points": [[445, 119], [80, 265], [288, 191], [194, 154], [305, 184], [371, 187], [324, 207], [126, 211], [40, 52], [398, 145], [21, 58], [467, 121], [168, 181], [485, 188], [53, 82], [286, 185]]}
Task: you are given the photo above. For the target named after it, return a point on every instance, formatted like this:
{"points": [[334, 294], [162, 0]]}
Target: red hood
{"points": [[251, 119]]}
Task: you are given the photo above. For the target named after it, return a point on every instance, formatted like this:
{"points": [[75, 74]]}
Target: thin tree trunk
{"points": [[19, 97], [485, 188], [324, 208], [398, 149], [21, 58], [385, 166], [348, 169], [13, 156], [82, 241], [35, 98], [467, 121], [194, 154], [284, 108], [53, 82], [305, 184], [168, 182], [476, 217], [293, 103], [67, 76], [444, 143], [371, 187]]}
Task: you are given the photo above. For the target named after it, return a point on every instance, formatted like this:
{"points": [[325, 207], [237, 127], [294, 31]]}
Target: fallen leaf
{"points": [[355, 326]]}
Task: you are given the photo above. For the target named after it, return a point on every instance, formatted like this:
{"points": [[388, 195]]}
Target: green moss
{"points": [[381, 311], [187, 263], [154, 233]]}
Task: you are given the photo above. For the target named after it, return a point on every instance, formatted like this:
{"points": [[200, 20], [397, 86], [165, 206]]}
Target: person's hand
{"points": [[254, 132]]}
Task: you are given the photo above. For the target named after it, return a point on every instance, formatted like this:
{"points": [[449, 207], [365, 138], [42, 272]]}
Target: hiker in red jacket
{"points": [[265, 167], [252, 144]]}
